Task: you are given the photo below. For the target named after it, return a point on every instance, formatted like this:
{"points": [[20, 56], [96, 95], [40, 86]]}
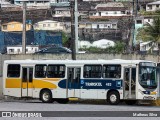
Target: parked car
{"points": [[54, 50]]}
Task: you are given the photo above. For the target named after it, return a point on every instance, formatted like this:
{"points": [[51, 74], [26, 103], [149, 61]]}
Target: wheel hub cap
{"points": [[113, 98]]}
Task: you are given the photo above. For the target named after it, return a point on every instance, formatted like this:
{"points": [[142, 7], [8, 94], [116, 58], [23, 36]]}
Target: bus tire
{"points": [[113, 98], [46, 96], [63, 101], [130, 102]]}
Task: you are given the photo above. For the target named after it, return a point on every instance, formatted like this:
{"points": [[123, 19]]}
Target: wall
{"points": [[15, 26], [79, 57]]}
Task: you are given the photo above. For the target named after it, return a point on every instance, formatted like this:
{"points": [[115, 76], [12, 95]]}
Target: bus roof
{"points": [[114, 61]]}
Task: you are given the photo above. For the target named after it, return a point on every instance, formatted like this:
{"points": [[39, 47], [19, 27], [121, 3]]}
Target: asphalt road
{"points": [[78, 110]]}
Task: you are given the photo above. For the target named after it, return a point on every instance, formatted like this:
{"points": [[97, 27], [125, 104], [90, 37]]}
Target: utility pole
{"points": [[72, 30], [76, 24], [24, 29]]}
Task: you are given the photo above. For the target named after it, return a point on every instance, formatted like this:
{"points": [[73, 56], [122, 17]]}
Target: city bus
{"points": [[63, 80]]}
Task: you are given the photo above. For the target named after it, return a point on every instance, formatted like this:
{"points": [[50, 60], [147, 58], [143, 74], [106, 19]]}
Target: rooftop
{"points": [[154, 3], [110, 4]]}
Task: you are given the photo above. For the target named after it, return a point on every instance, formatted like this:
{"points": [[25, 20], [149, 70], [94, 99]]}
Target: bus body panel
{"points": [[69, 85]]}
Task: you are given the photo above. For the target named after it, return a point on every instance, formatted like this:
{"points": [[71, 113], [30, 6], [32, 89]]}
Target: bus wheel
{"points": [[113, 98], [63, 101], [130, 102], [46, 96]]}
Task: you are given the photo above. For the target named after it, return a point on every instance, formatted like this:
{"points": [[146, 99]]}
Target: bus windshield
{"points": [[147, 77]]}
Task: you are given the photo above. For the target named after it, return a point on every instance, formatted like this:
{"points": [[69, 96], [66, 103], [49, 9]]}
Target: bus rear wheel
{"points": [[46, 96], [113, 98]]}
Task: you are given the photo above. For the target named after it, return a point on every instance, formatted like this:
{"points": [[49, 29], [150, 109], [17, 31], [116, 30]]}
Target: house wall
{"points": [[49, 26], [31, 3], [153, 8], [15, 26], [109, 13], [62, 13], [18, 50], [98, 25], [148, 20]]}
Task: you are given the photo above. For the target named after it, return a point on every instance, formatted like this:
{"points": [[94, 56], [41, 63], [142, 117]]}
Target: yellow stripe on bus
{"points": [[13, 83], [16, 83], [43, 84], [51, 79]]}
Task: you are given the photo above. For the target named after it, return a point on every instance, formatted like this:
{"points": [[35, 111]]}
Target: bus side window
{"points": [[56, 71], [112, 71], [13, 70], [92, 71], [40, 71]]}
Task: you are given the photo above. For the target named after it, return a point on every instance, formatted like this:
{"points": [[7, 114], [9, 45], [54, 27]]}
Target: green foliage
{"points": [[150, 32], [147, 13], [64, 38], [118, 48]]}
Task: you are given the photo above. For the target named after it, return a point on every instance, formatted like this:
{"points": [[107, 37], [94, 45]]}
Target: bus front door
{"points": [[129, 82], [73, 80], [27, 79]]}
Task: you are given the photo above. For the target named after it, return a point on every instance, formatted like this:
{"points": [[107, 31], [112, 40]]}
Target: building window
{"points": [[39, 1], [56, 71], [150, 7], [11, 50], [115, 12], [36, 49], [114, 26], [138, 21], [111, 71], [122, 12], [92, 71], [99, 13], [12, 26], [40, 71], [49, 25], [13, 70], [44, 25], [157, 6], [18, 50], [4, 27]]}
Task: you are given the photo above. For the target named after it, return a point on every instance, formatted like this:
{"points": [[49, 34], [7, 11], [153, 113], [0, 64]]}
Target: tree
{"points": [[150, 32], [64, 38]]}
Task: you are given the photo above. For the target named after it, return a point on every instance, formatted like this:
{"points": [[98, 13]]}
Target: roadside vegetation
{"points": [[150, 32], [118, 48]]}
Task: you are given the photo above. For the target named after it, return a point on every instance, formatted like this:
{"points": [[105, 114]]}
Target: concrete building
{"points": [[61, 8], [34, 3], [109, 9], [98, 25], [153, 6], [146, 46], [17, 49], [49, 25], [15, 27]]}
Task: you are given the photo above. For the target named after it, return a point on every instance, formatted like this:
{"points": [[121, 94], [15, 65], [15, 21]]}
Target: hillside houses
{"points": [[34, 3], [153, 6], [97, 19], [14, 26], [110, 9], [49, 25]]}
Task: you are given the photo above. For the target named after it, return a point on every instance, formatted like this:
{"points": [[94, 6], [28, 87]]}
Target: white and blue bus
{"points": [[64, 80]]}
